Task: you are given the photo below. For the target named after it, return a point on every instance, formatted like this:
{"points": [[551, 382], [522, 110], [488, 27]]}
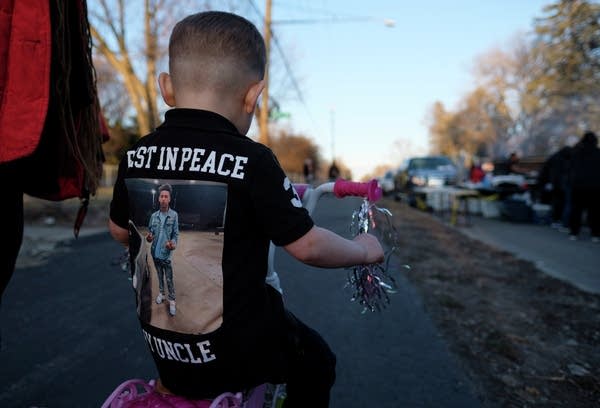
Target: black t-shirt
{"points": [[232, 198]]}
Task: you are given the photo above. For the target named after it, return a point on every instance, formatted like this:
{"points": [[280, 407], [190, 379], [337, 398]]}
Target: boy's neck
{"points": [[211, 104]]}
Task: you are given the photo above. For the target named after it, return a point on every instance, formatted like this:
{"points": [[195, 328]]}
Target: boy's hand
{"points": [[149, 237], [170, 245], [373, 249]]}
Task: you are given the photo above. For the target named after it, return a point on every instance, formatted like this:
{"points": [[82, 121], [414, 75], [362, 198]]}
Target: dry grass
{"points": [[525, 339]]}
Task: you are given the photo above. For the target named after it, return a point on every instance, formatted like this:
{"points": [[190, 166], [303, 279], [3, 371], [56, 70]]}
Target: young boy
{"points": [[231, 331], [163, 232]]}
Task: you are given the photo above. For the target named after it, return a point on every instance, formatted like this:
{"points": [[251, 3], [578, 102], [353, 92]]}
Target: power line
{"points": [[255, 7], [286, 63], [328, 16], [289, 70]]}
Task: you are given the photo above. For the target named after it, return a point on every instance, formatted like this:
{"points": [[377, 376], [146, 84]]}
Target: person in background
{"points": [[334, 171], [308, 170], [51, 125], [513, 164], [476, 173], [553, 181], [585, 186]]}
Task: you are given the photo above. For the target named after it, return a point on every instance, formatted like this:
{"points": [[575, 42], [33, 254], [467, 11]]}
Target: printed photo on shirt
{"points": [[176, 230]]}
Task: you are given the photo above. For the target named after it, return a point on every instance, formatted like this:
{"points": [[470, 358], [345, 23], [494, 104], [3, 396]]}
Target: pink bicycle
{"points": [[370, 284]]}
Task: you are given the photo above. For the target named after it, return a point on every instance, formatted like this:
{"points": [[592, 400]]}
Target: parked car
{"points": [[427, 171], [386, 182]]}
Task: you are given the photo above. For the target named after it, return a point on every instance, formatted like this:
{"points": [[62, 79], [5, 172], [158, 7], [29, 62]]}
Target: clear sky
{"points": [[368, 87]]}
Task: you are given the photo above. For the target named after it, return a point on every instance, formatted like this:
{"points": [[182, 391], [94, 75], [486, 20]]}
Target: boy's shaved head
{"points": [[216, 51]]}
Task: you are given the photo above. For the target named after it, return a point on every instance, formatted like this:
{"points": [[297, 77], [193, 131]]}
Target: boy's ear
{"points": [[252, 96], [166, 88]]}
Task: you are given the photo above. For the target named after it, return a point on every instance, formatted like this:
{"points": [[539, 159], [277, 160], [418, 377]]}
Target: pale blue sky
{"points": [[371, 86]]}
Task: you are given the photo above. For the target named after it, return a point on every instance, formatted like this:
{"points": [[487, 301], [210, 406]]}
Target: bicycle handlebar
{"points": [[369, 189], [301, 189], [310, 196], [340, 188]]}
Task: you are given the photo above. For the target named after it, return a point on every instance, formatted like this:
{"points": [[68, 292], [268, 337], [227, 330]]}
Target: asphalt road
{"points": [[70, 333]]}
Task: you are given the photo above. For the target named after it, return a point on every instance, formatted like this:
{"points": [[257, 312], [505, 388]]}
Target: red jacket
{"points": [[27, 81], [25, 51]]}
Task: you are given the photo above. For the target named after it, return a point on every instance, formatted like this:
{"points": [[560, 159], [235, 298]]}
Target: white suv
{"points": [[386, 182]]}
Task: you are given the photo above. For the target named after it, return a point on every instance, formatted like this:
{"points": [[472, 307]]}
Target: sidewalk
{"points": [[550, 250], [41, 241]]}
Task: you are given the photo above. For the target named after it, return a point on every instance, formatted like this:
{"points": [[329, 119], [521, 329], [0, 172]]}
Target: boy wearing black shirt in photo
{"points": [[231, 331]]}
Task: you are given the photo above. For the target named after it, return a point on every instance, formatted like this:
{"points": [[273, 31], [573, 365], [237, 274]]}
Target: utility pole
{"points": [[332, 124], [263, 123], [263, 118]]}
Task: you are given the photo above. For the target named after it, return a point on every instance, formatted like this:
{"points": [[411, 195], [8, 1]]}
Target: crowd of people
{"points": [[570, 182]]}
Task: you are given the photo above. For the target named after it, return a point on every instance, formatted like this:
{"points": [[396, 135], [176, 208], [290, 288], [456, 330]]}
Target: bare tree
{"points": [[109, 27], [132, 37], [439, 123], [532, 96], [475, 128], [567, 51], [504, 74], [112, 95]]}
